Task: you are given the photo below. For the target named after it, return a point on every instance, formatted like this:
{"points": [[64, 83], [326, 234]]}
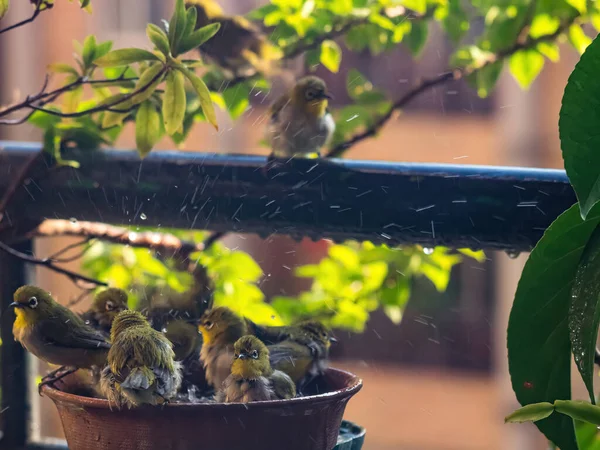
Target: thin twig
{"points": [[49, 264], [36, 12], [451, 75]]}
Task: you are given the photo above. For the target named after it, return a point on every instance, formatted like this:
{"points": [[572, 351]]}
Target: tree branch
{"points": [[451, 75], [47, 97], [49, 264], [36, 12], [165, 243]]}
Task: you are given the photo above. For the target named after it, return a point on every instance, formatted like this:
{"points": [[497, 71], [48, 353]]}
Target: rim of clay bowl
{"points": [[356, 384]]}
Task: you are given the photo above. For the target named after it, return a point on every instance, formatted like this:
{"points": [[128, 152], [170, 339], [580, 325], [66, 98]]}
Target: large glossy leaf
{"points": [[579, 410], [198, 37], [578, 127], [539, 348], [584, 314], [531, 413], [145, 85]]}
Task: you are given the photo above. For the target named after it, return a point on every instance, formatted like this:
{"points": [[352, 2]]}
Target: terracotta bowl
{"points": [[304, 423]]}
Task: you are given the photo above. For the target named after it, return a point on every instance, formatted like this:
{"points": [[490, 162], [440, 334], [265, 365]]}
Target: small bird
{"points": [[301, 123], [252, 379], [240, 48], [55, 334], [105, 307], [304, 352], [187, 343], [220, 328], [141, 364]]}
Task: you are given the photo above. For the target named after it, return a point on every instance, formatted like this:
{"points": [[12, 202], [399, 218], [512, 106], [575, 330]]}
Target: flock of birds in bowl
{"points": [[159, 355]]}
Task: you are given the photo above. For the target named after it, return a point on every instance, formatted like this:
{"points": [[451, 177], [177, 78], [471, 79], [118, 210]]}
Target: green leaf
{"points": [[531, 413], [158, 38], [44, 120], [63, 68], [145, 84], [578, 38], [174, 101], [198, 37], [177, 26], [419, 6], [124, 57], [579, 5], [539, 348], [487, 77], [203, 96], [191, 16], [577, 126], [236, 99], [4, 4], [595, 19], [588, 436], [525, 66], [549, 50], [579, 410], [416, 39], [112, 118], [331, 55], [147, 128], [103, 48], [89, 50], [477, 255], [584, 314], [454, 19]]}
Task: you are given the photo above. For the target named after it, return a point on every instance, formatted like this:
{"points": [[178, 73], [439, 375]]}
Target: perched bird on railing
{"points": [[240, 48], [55, 334], [252, 378], [105, 307], [141, 364], [304, 353], [300, 121], [220, 328]]}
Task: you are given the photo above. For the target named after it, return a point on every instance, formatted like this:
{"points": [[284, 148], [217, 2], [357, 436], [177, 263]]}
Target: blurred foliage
{"points": [[350, 283]]}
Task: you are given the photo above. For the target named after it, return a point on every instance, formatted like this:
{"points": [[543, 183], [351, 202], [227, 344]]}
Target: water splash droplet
{"points": [[513, 254], [427, 250], [143, 216]]}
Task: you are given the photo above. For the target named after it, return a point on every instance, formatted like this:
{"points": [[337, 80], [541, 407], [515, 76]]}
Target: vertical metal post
{"points": [[15, 405]]}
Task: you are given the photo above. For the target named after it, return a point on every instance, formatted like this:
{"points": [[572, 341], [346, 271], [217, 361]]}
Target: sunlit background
{"points": [[438, 380]]}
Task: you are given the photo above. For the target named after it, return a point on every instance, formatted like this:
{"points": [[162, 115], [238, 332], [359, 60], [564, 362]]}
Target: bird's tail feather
{"points": [[139, 378]]}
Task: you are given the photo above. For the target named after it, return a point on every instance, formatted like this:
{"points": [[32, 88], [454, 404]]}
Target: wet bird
{"points": [[303, 353], [252, 378], [105, 307], [141, 364], [220, 328], [55, 334], [240, 48], [300, 121]]}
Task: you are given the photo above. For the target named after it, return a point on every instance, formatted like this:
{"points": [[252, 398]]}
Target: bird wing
{"points": [[282, 384], [134, 349], [278, 106], [291, 358], [71, 332]]}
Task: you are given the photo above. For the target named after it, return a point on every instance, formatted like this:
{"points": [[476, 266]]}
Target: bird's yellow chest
{"points": [[316, 109], [21, 324]]}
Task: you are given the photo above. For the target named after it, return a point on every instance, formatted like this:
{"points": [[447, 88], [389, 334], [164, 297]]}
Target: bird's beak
{"points": [[242, 356], [333, 340], [15, 305], [327, 95]]}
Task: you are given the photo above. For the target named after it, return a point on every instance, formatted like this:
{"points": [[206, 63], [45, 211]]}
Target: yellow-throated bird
{"points": [[55, 334], [220, 328], [304, 352], [300, 122], [105, 307], [252, 378], [240, 48], [141, 364]]}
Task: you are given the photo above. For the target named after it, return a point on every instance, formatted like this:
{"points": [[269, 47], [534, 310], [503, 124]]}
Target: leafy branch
{"points": [[40, 5], [450, 75]]}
